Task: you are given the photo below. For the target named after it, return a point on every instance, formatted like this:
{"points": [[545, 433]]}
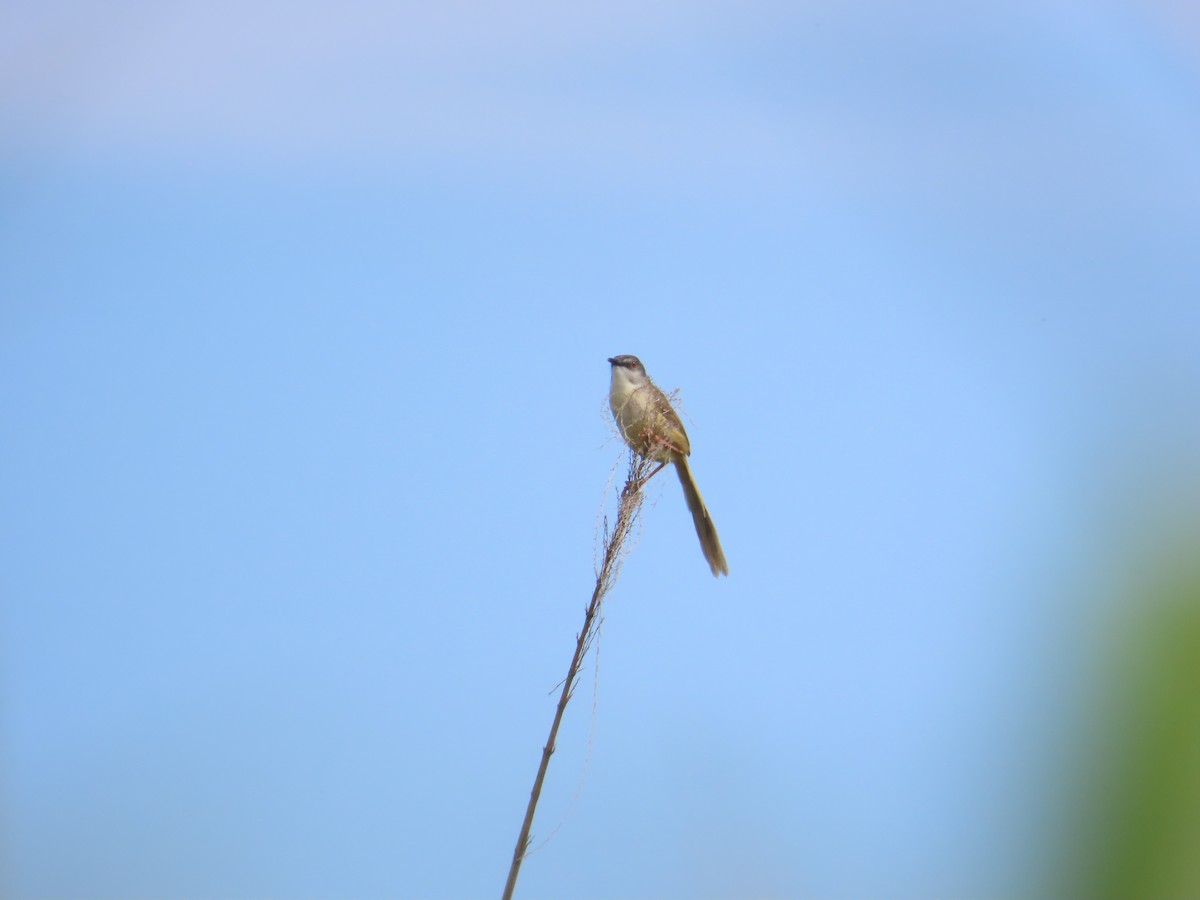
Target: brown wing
{"points": [[668, 429]]}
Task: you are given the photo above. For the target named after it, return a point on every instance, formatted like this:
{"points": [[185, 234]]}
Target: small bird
{"points": [[650, 425]]}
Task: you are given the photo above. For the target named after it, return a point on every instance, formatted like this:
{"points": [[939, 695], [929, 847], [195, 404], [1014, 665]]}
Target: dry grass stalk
{"points": [[615, 550]]}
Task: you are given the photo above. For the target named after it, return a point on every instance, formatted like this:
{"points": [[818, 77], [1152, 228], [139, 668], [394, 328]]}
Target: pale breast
{"points": [[645, 418]]}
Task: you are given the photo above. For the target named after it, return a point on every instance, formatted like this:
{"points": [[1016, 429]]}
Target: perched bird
{"points": [[650, 425]]}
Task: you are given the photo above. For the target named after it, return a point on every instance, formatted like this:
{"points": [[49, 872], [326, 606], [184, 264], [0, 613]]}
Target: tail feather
{"points": [[705, 529]]}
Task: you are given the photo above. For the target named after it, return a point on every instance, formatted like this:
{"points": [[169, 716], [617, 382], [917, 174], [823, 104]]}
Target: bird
{"points": [[651, 427]]}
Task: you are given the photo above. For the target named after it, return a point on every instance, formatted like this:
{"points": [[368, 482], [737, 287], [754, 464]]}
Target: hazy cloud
{"points": [[867, 93]]}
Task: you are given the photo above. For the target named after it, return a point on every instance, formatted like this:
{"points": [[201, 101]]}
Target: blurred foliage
{"points": [[1138, 829]]}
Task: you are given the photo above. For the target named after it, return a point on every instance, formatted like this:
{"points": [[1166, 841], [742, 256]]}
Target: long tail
{"points": [[705, 529]]}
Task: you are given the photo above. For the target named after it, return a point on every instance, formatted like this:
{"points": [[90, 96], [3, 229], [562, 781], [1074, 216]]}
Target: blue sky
{"points": [[303, 386]]}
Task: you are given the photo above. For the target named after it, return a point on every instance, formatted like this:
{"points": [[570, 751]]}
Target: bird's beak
{"points": [[612, 361]]}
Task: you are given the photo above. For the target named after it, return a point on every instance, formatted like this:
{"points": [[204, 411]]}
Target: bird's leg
{"points": [[657, 469]]}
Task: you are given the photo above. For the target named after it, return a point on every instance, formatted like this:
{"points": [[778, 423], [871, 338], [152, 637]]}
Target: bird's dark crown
{"points": [[626, 361]]}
